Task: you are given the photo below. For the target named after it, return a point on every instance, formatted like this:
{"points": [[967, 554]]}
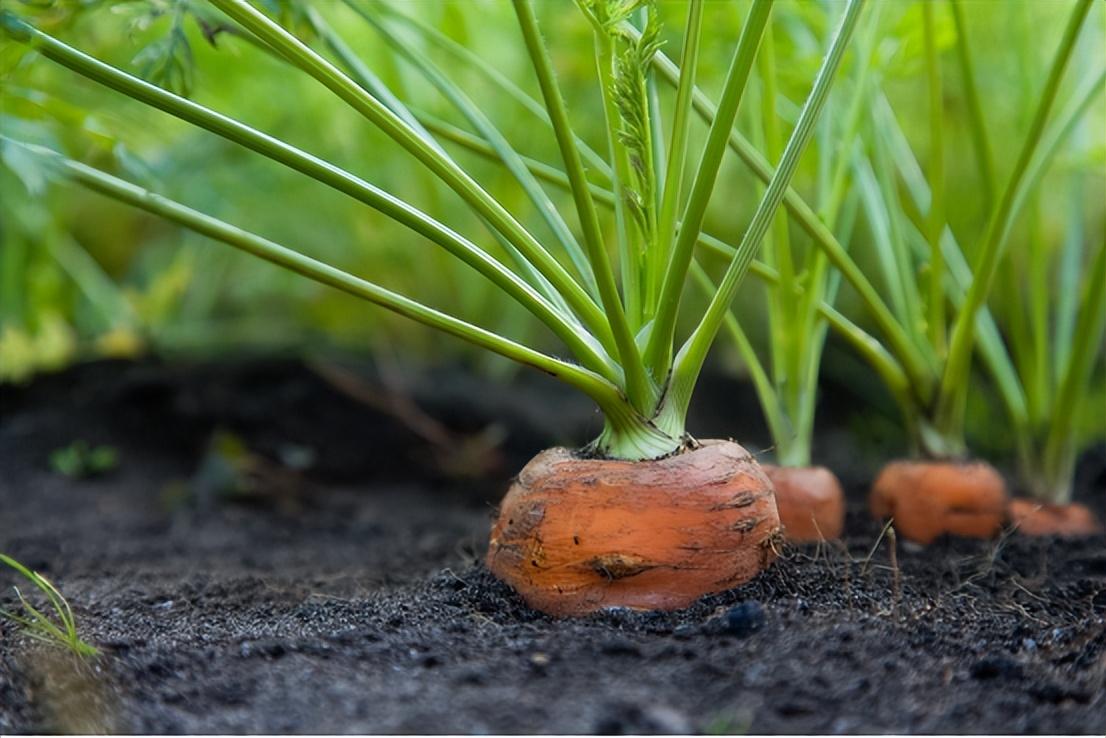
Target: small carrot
{"points": [[810, 502], [930, 498], [576, 535], [1033, 518]]}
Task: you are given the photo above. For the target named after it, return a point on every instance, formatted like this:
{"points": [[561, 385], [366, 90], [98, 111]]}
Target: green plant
{"points": [[923, 353], [1054, 313], [79, 460], [37, 625], [799, 285], [623, 332]]}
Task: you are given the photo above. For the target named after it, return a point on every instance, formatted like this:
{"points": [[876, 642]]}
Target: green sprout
{"points": [[619, 317], [63, 632]]}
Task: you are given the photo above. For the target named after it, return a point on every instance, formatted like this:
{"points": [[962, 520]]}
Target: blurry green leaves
{"points": [[23, 352], [902, 51], [167, 61], [79, 460], [292, 14], [33, 171]]}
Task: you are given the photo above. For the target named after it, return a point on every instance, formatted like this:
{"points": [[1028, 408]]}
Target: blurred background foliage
{"points": [[82, 277]]}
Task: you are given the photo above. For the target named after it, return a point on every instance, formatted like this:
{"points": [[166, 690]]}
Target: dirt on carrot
{"points": [[810, 501], [928, 499], [577, 535]]}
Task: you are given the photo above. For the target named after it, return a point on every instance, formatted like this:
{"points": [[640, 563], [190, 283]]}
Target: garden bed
{"points": [[349, 596]]}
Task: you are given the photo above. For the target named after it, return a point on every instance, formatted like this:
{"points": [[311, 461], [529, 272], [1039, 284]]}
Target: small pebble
{"points": [[744, 619]]}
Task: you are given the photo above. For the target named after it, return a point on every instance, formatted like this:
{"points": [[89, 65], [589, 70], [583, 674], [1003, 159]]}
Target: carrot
{"points": [[1033, 518], [576, 535], [929, 498], [810, 502]]}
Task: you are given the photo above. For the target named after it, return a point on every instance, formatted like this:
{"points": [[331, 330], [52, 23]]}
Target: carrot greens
{"points": [[619, 317]]}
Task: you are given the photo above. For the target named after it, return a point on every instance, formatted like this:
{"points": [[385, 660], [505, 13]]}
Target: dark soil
{"points": [[328, 579]]}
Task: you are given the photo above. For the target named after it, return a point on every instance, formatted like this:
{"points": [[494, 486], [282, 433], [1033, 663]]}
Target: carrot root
{"points": [[1033, 518], [578, 535], [927, 499], [810, 500]]}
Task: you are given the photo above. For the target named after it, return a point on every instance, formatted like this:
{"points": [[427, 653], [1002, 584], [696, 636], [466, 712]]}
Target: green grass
{"points": [[59, 631]]}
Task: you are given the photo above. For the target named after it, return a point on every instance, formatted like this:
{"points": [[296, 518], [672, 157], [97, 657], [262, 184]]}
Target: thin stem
{"points": [[322, 171], [958, 273], [444, 168], [511, 159], [982, 146], [638, 389], [921, 370], [1060, 448], [677, 148], [602, 391], [952, 396], [690, 359], [766, 392], [502, 82], [936, 222], [628, 258], [658, 354], [477, 145]]}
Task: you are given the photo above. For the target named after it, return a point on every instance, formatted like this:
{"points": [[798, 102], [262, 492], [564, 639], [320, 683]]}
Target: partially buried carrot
{"points": [[927, 499], [1033, 518], [576, 535], [810, 502]]}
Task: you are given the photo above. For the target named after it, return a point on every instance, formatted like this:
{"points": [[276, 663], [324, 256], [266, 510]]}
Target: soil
{"points": [[319, 571]]}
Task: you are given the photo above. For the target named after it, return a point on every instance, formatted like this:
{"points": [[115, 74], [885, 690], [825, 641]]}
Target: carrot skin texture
{"points": [[578, 535]]}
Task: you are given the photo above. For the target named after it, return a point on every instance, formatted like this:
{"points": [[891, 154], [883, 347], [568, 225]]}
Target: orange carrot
{"points": [[810, 502], [1033, 518], [576, 535], [929, 498]]}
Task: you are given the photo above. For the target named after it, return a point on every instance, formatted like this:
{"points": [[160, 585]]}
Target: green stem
{"points": [[677, 148], [936, 221], [444, 168], [579, 341], [658, 354], [477, 145], [921, 370], [595, 162], [952, 396], [981, 143], [766, 393], [628, 257], [607, 395], [690, 359], [510, 158], [1060, 448], [638, 388]]}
